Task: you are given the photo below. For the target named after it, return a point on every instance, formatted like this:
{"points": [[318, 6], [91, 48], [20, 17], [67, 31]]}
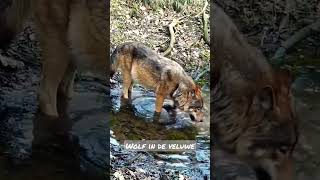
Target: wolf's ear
{"points": [[264, 99]]}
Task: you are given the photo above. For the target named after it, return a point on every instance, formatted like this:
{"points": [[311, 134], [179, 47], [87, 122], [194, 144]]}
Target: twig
{"points": [[172, 36]]}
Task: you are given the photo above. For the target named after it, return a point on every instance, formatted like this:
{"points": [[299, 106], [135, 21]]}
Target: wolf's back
{"points": [[13, 14]]}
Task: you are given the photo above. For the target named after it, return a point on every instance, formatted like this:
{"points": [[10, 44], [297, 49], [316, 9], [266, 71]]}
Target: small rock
{"points": [[114, 142], [119, 175]]}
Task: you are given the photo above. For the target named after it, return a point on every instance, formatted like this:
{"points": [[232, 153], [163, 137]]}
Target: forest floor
{"points": [[135, 21]]}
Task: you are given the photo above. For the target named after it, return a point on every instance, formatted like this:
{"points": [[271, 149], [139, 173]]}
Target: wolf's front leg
{"points": [[158, 107], [159, 103]]}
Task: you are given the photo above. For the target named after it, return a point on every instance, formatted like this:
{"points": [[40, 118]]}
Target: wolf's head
{"points": [[271, 131], [191, 101]]}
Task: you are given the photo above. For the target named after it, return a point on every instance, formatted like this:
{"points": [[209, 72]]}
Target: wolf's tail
{"points": [[13, 14]]}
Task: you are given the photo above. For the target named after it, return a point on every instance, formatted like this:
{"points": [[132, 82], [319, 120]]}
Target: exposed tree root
{"points": [[296, 37], [172, 36]]}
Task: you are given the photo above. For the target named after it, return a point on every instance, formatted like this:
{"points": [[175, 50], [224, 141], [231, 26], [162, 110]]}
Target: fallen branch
{"points": [[296, 37], [172, 36]]}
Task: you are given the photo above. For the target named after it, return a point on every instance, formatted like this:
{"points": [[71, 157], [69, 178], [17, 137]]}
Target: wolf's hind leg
{"points": [[127, 85]]}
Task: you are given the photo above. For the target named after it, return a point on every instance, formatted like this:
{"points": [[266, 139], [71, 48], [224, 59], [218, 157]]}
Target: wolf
{"points": [[253, 112], [72, 36], [166, 77]]}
